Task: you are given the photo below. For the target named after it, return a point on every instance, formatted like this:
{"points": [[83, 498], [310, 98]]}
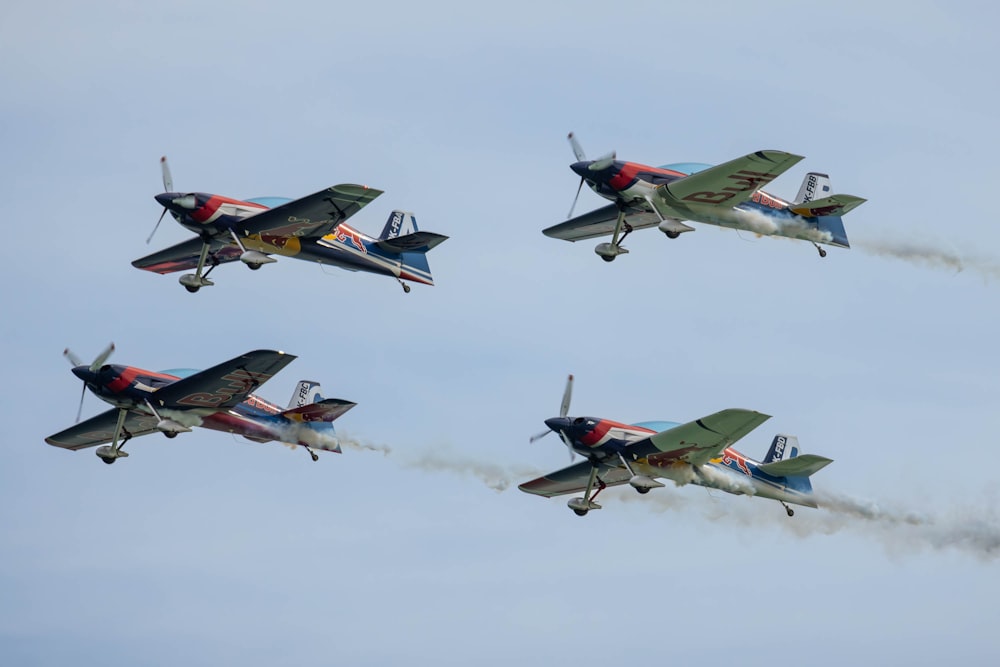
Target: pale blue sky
{"points": [[209, 549]]}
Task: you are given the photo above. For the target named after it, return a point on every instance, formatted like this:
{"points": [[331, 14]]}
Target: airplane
{"points": [[312, 228], [727, 195], [219, 398], [698, 452]]}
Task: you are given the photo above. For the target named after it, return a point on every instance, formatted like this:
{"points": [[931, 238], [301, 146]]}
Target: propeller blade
{"points": [[539, 436], [156, 226], [73, 359], [79, 410], [569, 446], [168, 180], [577, 148], [567, 395], [603, 162], [580, 187], [102, 357]]}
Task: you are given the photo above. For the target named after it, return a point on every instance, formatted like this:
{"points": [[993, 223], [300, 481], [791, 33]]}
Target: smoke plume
{"points": [[975, 531], [934, 257], [443, 459]]}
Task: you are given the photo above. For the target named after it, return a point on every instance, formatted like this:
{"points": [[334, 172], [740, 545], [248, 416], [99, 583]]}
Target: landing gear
{"points": [[581, 506], [608, 251], [406, 288], [822, 252], [111, 453], [170, 434], [672, 235], [314, 455], [643, 484], [195, 281], [251, 258], [788, 510]]}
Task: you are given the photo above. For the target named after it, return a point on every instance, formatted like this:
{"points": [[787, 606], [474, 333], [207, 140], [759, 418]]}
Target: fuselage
{"points": [[635, 184], [345, 247], [732, 472], [131, 388]]}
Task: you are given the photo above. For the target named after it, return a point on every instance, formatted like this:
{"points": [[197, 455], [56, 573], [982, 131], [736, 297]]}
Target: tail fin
{"points": [[306, 392], [782, 447], [783, 460], [814, 186], [400, 223]]}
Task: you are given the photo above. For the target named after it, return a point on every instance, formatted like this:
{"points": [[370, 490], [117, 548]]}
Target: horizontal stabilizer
{"points": [[833, 205], [801, 466], [415, 242], [324, 411]]}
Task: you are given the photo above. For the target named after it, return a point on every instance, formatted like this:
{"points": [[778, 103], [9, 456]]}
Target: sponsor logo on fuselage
{"points": [[348, 236]]}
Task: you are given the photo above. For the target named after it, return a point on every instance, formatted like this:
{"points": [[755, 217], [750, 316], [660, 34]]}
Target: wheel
{"points": [[790, 511], [406, 288], [170, 434], [580, 512], [822, 253], [643, 491], [672, 235], [107, 459], [315, 456], [254, 267], [192, 288], [608, 259]]}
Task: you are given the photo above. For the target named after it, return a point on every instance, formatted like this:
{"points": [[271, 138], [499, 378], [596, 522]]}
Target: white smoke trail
{"points": [[934, 257], [973, 531], [976, 531], [442, 459]]}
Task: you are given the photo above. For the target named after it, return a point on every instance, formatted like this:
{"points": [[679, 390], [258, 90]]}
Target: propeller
{"points": [[168, 186], [95, 366], [600, 163], [563, 411]]}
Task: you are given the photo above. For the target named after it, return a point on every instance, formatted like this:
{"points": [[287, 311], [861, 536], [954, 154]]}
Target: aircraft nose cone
{"points": [[165, 198], [83, 372], [557, 423], [581, 168]]}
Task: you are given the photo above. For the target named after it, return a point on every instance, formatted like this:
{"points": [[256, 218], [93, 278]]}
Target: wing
{"points": [[101, 429], [700, 441], [184, 256], [729, 183], [315, 215], [225, 385], [574, 479], [326, 410], [696, 442], [600, 222]]}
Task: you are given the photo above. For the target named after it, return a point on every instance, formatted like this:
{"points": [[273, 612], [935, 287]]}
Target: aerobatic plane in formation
{"points": [[313, 228], [219, 398], [727, 195], [698, 452]]}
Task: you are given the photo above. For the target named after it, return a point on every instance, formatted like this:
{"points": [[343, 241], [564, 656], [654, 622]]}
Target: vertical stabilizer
{"points": [[400, 223], [783, 447], [814, 186], [306, 392]]}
